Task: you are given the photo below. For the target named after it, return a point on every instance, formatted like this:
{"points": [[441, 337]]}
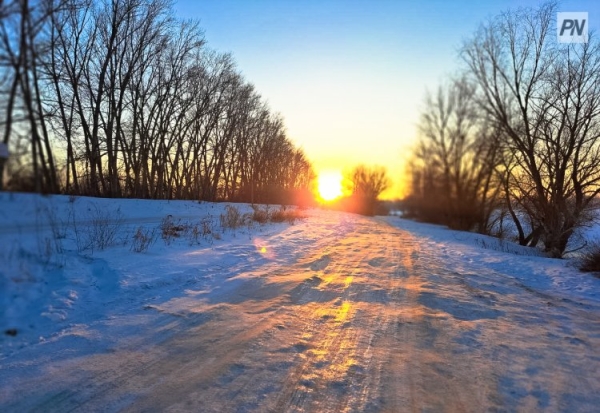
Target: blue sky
{"points": [[349, 77]]}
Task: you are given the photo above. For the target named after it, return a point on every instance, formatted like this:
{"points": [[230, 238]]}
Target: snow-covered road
{"points": [[337, 313]]}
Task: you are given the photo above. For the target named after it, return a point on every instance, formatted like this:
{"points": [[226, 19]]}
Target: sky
{"points": [[349, 77]]}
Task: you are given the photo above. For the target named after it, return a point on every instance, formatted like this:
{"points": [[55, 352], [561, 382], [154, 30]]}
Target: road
{"points": [[357, 317]]}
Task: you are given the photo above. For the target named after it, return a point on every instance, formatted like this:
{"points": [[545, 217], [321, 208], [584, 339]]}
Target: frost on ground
{"points": [[335, 313]]}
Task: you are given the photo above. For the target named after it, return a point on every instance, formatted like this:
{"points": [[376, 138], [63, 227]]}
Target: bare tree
{"points": [[544, 99], [138, 104], [366, 184], [454, 170], [22, 49]]}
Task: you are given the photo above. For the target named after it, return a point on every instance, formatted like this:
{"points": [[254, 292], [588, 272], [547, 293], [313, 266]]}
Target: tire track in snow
{"points": [[334, 373], [329, 340], [365, 318]]}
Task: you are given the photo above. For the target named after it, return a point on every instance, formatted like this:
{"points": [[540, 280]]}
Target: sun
{"points": [[330, 185]]}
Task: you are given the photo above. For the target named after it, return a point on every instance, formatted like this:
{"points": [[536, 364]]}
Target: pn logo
{"points": [[572, 27]]}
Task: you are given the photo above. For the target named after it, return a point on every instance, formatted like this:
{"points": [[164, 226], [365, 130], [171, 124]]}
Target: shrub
{"points": [[206, 228], [284, 214], [102, 229], [57, 226], [202, 230], [248, 220], [169, 229], [193, 234], [232, 218], [590, 258], [279, 216], [260, 215], [50, 252], [142, 239]]}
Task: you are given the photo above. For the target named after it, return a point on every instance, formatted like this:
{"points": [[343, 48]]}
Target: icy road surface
{"points": [[338, 313]]}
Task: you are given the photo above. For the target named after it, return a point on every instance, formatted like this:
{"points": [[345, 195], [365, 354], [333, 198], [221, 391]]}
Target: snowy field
{"points": [[336, 312]]}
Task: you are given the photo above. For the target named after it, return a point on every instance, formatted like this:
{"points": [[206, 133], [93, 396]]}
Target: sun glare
{"points": [[330, 185]]}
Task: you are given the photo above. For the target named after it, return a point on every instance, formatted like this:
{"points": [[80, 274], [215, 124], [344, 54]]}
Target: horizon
{"points": [[349, 78]]}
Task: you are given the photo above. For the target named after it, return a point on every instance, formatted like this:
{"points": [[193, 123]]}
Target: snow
{"points": [[337, 312]]}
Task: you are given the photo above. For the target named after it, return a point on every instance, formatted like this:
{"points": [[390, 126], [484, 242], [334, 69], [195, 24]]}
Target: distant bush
{"points": [[232, 218], [284, 214], [263, 215], [280, 215], [58, 227], [260, 215], [142, 239], [101, 229], [202, 230], [169, 229], [590, 258], [206, 228]]}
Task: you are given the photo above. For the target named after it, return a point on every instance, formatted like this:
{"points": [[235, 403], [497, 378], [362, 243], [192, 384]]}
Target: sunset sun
{"points": [[330, 185]]}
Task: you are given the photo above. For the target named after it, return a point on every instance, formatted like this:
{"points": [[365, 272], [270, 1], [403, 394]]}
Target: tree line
{"points": [[514, 137], [118, 98]]}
